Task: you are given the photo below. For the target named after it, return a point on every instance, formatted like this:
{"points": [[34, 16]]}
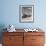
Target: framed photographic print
{"points": [[26, 13]]}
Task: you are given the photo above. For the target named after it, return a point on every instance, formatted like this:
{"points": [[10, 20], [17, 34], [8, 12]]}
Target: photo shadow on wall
{"points": [[2, 26]]}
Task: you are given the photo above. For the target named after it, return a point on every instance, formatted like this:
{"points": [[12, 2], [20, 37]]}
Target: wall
{"points": [[9, 13]]}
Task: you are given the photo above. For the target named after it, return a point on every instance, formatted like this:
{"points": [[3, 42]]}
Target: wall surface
{"points": [[10, 13]]}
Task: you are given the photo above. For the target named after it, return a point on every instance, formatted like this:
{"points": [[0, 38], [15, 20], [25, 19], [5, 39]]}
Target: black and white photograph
{"points": [[26, 13]]}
